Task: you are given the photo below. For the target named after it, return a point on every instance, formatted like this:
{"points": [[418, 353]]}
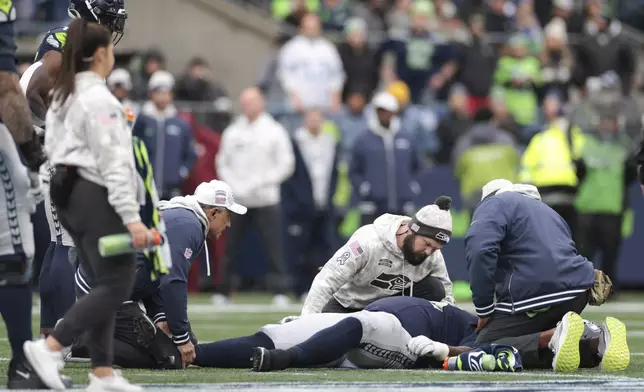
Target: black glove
{"points": [[33, 153]]}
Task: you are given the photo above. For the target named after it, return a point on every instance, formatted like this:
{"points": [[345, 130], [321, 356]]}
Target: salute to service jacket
{"points": [[371, 266]]}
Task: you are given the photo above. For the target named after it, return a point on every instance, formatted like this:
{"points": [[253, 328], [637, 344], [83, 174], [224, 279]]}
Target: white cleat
{"points": [[46, 363], [114, 383]]}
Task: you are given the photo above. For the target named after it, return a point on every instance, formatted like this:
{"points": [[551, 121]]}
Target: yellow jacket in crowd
{"points": [[549, 158]]}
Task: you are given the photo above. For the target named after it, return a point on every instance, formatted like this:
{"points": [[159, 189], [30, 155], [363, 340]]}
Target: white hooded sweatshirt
{"points": [[371, 266]]}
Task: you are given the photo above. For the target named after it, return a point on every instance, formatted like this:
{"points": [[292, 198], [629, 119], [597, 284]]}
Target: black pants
{"points": [[267, 221], [308, 244], [138, 344], [522, 330], [428, 288], [603, 233], [89, 216]]}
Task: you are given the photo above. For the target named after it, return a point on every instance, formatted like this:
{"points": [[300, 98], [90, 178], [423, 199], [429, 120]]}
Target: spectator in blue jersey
{"points": [[167, 137], [422, 59], [384, 163]]}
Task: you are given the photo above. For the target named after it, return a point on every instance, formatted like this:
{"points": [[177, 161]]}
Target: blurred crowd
{"points": [[336, 131]]}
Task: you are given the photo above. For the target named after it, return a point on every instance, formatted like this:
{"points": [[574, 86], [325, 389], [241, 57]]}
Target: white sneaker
{"points": [[114, 383], [565, 343], [281, 301], [220, 300], [46, 363]]}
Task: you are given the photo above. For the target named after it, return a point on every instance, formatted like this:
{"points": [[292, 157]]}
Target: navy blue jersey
{"points": [[440, 322], [54, 39], [7, 37]]}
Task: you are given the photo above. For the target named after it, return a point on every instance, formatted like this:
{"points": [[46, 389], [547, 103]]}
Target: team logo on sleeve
{"points": [[187, 253], [356, 249]]}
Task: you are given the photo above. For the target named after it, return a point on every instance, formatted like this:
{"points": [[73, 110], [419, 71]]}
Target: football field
{"points": [[248, 312]]}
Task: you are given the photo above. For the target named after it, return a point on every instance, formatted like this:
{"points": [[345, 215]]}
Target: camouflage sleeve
{"points": [[340, 269]]}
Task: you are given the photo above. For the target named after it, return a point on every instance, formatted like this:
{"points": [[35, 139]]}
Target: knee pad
{"points": [[133, 326]]}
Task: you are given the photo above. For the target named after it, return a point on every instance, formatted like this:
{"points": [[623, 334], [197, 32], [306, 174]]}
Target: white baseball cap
{"points": [[218, 194], [386, 101], [120, 76], [162, 81], [494, 186]]}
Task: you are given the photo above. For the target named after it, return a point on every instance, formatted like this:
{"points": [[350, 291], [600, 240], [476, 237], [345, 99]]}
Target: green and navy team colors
{"points": [[54, 39]]}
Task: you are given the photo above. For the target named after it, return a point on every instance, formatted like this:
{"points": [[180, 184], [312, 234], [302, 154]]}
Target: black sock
{"points": [[327, 345], [15, 307], [231, 353]]}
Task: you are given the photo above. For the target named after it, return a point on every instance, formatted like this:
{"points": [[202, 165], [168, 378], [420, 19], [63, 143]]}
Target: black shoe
{"points": [[22, 376], [268, 360]]}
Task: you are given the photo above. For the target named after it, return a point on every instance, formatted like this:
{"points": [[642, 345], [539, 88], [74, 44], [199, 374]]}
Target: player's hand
{"points": [[421, 346], [163, 326], [140, 235], [481, 323], [187, 351], [288, 319], [36, 192]]}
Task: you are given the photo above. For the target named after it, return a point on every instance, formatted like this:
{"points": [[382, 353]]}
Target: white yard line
{"points": [[295, 308]]}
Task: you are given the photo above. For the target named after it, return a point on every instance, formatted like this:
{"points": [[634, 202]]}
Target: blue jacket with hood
{"points": [[166, 299], [520, 255]]}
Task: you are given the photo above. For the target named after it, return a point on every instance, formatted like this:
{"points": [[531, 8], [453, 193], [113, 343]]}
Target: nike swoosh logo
{"points": [[24, 375]]}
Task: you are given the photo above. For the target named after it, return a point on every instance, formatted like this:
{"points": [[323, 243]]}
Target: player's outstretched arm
{"points": [[425, 347], [14, 111]]}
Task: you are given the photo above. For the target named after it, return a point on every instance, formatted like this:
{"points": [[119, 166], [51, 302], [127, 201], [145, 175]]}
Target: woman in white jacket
{"points": [[96, 192]]}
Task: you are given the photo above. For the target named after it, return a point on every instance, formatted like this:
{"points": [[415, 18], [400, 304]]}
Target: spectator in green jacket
{"points": [[482, 154], [606, 169], [519, 74]]}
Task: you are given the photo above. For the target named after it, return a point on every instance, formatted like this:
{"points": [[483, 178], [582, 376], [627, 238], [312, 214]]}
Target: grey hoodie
{"points": [[190, 203], [370, 266]]}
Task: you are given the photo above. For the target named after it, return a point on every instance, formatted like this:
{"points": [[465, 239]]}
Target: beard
{"points": [[413, 258]]}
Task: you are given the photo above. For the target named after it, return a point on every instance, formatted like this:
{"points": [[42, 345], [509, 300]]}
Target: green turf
{"points": [[210, 326]]}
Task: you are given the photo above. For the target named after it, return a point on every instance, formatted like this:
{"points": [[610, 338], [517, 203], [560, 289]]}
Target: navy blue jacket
{"points": [[171, 148], [521, 251], [389, 176], [187, 238], [297, 191], [167, 299]]}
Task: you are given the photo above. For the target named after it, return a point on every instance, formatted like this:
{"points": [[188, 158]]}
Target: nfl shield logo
{"points": [[187, 253]]}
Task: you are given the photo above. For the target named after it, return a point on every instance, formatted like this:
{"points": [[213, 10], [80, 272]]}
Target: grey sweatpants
{"points": [[522, 331], [89, 217]]}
